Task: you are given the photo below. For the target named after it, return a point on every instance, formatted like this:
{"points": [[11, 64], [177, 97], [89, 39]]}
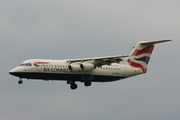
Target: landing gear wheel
{"points": [[73, 86], [87, 83], [20, 82], [68, 82]]}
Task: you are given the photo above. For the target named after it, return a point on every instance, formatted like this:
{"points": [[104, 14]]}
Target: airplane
{"points": [[88, 70]]}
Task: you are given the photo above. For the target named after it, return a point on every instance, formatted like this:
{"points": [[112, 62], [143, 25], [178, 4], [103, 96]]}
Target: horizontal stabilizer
{"points": [[154, 42]]}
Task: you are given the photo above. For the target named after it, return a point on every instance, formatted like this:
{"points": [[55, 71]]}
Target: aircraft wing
{"points": [[99, 61]]}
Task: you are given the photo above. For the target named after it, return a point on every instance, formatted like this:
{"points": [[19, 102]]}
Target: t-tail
{"points": [[141, 54]]}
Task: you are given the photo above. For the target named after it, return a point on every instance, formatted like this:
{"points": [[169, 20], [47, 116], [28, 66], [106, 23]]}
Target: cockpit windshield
{"points": [[21, 65], [25, 64]]}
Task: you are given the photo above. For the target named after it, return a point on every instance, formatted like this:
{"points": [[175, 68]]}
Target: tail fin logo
{"points": [[140, 57], [143, 59], [137, 65], [141, 54], [148, 49]]}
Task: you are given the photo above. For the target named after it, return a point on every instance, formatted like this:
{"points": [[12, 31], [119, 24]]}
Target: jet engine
{"points": [[74, 67], [87, 66]]}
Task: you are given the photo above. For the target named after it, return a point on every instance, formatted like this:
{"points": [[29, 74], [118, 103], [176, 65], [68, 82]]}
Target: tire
{"points": [[73, 86], [87, 83], [20, 82]]}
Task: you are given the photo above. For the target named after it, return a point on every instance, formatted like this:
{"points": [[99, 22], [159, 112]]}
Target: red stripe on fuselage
{"points": [[41, 63], [148, 49], [137, 65]]}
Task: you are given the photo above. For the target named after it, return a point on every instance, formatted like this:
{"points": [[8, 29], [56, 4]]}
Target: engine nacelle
{"points": [[74, 67], [87, 66]]}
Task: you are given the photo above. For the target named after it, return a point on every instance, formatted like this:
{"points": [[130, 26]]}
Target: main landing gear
{"points": [[87, 83], [73, 85]]}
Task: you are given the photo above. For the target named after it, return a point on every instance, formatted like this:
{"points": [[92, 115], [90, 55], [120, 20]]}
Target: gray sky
{"points": [[60, 29]]}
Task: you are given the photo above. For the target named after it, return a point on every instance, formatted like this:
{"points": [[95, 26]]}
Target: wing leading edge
{"points": [[99, 61]]}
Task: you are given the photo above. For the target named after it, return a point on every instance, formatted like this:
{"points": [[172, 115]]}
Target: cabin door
{"points": [[38, 66]]}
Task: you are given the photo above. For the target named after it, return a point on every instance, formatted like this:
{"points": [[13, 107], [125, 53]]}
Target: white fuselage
{"points": [[58, 70], [87, 70]]}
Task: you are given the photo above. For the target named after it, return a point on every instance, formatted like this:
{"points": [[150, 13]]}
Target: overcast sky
{"points": [[61, 29]]}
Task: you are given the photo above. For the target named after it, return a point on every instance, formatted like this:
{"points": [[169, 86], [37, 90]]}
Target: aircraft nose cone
{"points": [[18, 72], [14, 71], [11, 72]]}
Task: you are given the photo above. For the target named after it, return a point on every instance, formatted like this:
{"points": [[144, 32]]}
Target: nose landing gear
{"points": [[20, 82]]}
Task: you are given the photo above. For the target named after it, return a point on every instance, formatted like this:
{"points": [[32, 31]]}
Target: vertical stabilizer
{"points": [[141, 54]]}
